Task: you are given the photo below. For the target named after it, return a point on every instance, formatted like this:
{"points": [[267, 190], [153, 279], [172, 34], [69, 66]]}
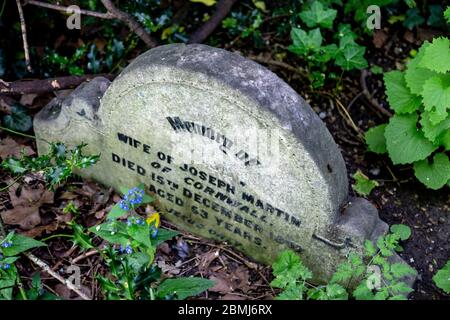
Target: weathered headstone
{"points": [[229, 149]]}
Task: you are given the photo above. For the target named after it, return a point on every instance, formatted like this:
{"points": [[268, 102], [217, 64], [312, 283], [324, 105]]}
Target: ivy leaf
{"points": [[436, 97], [375, 140], [18, 120], [437, 55], [183, 287], [413, 18], [405, 142], [442, 278], [352, 57], [398, 95], [304, 42], [435, 133], [318, 16], [434, 175], [401, 230], [363, 184]]}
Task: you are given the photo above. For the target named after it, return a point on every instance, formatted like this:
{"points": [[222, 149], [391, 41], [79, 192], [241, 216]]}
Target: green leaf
{"points": [[13, 165], [163, 235], [20, 244], [434, 133], [363, 184], [434, 175], [316, 15], [183, 287], [436, 97], [405, 142], [415, 75], [398, 95], [442, 278], [362, 292], [401, 287], [400, 270], [352, 57], [114, 232], [304, 42], [375, 140], [436, 17], [18, 120], [369, 248], [413, 18], [401, 230], [205, 2], [288, 268], [80, 238], [116, 212], [292, 292], [140, 233], [437, 55], [336, 292], [447, 14]]}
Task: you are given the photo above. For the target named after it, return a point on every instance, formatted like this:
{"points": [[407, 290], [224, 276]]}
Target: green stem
{"points": [[12, 183], [18, 133], [56, 236], [3, 7], [21, 289]]}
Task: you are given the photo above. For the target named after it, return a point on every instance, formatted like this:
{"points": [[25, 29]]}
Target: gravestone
{"points": [[231, 152]]}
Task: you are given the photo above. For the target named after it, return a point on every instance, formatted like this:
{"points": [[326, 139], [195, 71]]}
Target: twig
{"points": [[84, 256], [131, 23], [280, 64], [47, 269], [112, 13], [23, 26], [369, 97], [38, 86], [222, 10], [100, 15]]}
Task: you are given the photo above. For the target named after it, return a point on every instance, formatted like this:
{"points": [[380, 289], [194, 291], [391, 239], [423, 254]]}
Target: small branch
{"points": [[222, 10], [55, 275], [112, 13], [45, 85], [100, 15], [279, 64], [130, 22], [369, 97], [23, 26]]}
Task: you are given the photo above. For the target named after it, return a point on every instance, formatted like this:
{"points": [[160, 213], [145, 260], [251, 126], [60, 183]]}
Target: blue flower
{"points": [[126, 250], [6, 266], [153, 232], [124, 206], [7, 244]]}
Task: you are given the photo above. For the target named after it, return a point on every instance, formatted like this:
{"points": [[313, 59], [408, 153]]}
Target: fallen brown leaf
{"points": [[25, 206], [10, 148]]}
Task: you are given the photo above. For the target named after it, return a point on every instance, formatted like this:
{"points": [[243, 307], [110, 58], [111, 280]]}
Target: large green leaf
{"points": [[415, 75], [437, 55], [405, 142], [317, 15], [399, 96], [434, 133], [20, 244], [375, 140], [434, 175], [183, 287], [436, 97], [442, 278]]}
